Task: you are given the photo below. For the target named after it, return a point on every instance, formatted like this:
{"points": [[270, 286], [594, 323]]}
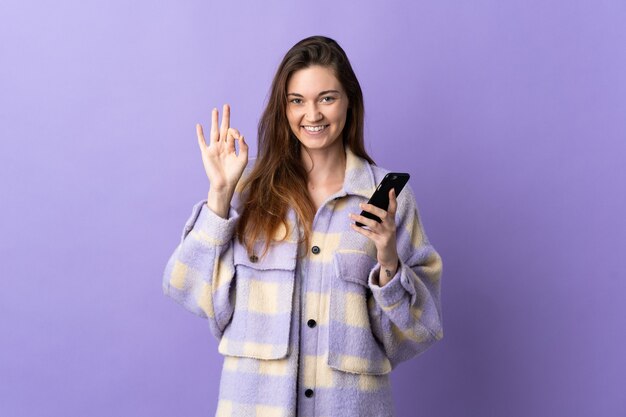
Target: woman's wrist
{"points": [[387, 272], [219, 201]]}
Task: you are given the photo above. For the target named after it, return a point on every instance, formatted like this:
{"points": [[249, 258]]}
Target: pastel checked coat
{"points": [[308, 332]]}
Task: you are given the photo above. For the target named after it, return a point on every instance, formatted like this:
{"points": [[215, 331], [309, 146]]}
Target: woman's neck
{"points": [[325, 167]]}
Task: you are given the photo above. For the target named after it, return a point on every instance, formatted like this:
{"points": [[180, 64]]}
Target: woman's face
{"points": [[317, 107]]}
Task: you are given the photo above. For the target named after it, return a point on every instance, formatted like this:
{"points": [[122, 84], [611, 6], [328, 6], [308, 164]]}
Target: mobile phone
{"points": [[380, 198]]}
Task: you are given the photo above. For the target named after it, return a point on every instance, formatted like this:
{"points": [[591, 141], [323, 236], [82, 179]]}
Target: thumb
{"points": [[393, 203], [243, 146]]}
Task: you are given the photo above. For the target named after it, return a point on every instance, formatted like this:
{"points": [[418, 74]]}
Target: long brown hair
{"points": [[279, 180]]}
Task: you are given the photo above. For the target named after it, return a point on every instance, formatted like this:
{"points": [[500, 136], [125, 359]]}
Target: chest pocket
{"points": [[263, 299], [352, 345]]}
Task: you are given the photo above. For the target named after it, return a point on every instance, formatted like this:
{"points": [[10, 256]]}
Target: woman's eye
{"points": [[329, 99], [295, 101]]}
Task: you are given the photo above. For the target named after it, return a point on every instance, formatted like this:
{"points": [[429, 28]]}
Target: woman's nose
{"points": [[313, 114]]}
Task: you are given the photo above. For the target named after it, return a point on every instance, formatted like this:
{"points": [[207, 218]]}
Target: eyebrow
{"points": [[320, 94]]}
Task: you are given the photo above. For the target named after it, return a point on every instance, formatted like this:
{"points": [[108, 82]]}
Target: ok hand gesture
{"points": [[222, 164]]}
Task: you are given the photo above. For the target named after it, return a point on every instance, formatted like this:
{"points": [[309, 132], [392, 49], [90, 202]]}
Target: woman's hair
{"points": [[279, 180]]}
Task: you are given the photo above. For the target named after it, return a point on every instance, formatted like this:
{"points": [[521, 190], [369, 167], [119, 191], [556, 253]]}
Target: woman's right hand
{"points": [[222, 165]]}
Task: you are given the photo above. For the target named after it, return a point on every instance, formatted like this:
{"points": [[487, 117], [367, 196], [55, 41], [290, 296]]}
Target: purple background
{"points": [[511, 117]]}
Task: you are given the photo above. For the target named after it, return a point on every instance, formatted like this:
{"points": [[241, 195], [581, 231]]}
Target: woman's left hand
{"points": [[383, 235]]}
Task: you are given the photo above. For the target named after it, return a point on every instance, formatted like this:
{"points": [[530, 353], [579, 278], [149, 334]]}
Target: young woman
{"points": [[311, 312]]}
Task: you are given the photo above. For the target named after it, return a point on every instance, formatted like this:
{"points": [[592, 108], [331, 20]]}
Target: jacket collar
{"points": [[359, 177]]}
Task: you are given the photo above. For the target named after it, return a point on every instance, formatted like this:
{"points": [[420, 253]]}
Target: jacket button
{"points": [[254, 258], [308, 392], [311, 323], [315, 249]]}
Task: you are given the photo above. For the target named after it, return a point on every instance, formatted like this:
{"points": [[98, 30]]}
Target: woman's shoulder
{"points": [[379, 172]]}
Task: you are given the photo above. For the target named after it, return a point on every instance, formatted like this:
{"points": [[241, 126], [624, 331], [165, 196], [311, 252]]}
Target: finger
{"points": [[225, 122], [374, 210], [214, 132], [393, 203], [230, 138], [371, 223], [362, 231], [201, 141], [243, 148], [234, 132]]}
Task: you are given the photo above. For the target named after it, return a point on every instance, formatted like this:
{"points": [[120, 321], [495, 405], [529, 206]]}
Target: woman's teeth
{"points": [[315, 128]]}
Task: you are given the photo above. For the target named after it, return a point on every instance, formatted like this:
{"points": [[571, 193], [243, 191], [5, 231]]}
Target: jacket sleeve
{"points": [[406, 312], [199, 273]]}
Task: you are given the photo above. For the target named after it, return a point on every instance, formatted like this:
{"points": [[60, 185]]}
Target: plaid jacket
{"points": [[311, 336]]}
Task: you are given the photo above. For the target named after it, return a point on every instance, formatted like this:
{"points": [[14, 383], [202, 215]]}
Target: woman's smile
{"points": [[315, 130]]}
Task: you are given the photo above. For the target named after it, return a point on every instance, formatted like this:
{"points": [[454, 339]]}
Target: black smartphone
{"points": [[380, 198]]}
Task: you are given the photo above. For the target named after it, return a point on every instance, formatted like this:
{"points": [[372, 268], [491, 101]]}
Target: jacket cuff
{"points": [[393, 291], [208, 227]]}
